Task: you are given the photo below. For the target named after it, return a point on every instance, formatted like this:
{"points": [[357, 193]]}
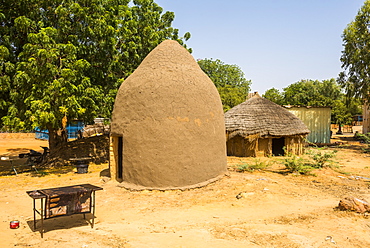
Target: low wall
{"points": [[16, 135]]}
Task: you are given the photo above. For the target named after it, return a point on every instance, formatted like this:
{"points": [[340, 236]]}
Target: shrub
{"points": [[256, 165], [366, 149], [322, 158], [365, 138], [295, 164]]}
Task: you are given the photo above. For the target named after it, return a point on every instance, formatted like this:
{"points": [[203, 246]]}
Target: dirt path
{"points": [[275, 210]]}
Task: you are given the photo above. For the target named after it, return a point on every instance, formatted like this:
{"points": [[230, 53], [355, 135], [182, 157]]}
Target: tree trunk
{"points": [[340, 129], [57, 137]]}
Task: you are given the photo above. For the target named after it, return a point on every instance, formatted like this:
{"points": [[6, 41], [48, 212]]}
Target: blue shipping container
{"points": [[72, 131]]}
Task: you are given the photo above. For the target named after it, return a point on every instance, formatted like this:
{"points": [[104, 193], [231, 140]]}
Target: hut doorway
{"points": [[120, 158], [278, 146]]}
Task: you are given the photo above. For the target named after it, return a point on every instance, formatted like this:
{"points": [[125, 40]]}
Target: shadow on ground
{"points": [[62, 222]]}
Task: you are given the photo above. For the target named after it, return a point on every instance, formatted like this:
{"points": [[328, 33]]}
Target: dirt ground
{"points": [[274, 210]]}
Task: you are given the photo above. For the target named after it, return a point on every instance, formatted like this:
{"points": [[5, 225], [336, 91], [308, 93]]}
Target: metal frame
{"points": [[14, 167], [41, 212], [24, 165]]}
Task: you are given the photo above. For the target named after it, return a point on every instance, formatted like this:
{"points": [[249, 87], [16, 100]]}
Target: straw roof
{"points": [[259, 116]]}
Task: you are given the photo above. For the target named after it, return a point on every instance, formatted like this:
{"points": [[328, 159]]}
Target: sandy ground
{"points": [[275, 210]]}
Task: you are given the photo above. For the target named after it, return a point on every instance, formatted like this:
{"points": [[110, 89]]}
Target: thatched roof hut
{"points": [[168, 129], [260, 127]]}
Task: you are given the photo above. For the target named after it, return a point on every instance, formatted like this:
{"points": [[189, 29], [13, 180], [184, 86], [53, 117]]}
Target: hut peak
{"points": [[254, 94], [168, 55]]}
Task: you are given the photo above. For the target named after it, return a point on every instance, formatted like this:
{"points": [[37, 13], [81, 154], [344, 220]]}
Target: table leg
{"points": [[93, 206], [34, 214], [42, 217], [13, 167]]}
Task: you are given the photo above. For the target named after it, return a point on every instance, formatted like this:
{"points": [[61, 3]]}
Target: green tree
{"points": [[312, 93], [300, 93], [5, 82], [229, 81], [274, 95], [65, 59], [355, 58], [320, 94]]}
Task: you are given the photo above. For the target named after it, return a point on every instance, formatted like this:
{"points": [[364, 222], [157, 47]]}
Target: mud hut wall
{"points": [[301, 141], [236, 146], [263, 147], [252, 142], [251, 147], [300, 145], [289, 145], [113, 157], [248, 147], [294, 144], [269, 147], [254, 146], [160, 162], [170, 115], [250, 150]]}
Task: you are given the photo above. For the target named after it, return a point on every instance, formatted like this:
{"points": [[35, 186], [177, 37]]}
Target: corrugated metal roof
{"points": [[317, 119]]}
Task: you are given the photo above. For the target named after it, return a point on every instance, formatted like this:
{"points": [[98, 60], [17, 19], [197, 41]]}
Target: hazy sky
{"points": [[275, 42]]}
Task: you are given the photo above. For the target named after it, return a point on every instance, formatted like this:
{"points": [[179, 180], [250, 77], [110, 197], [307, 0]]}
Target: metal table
{"points": [[17, 165], [63, 201]]}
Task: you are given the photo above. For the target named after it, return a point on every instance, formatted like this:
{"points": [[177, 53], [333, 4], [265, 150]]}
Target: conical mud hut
{"points": [[259, 127], [168, 129]]}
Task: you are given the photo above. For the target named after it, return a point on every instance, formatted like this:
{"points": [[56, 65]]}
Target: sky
{"points": [[274, 42]]}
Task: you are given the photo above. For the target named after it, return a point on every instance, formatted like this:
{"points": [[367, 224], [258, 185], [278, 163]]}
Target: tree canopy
{"points": [[65, 59], [356, 57], [274, 95], [326, 93], [229, 81]]}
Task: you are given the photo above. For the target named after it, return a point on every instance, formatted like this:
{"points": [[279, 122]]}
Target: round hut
{"points": [[259, 127], [168, 129]]}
